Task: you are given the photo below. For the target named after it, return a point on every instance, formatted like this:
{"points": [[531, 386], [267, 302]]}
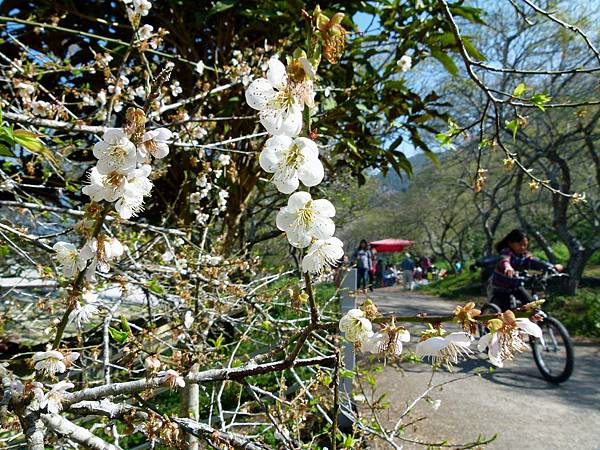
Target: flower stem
{"points": [[314, 312], [440, 319], [76, 286]]}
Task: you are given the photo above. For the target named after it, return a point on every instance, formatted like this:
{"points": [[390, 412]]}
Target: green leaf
{"points": [[540, 100], [472, 50], [443, 139], [348, 442], [154, 286], [513, 125], [118, 335], [31, 142], [446, 61], [125, 325], [519, 90], [221, 6], [5, 151], [328, 103], [345, 373]]}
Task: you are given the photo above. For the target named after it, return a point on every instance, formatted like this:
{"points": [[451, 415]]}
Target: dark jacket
{"points": [[508, 259]]}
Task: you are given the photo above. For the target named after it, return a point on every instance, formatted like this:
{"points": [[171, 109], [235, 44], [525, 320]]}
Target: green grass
{"points": [[580, 314]]}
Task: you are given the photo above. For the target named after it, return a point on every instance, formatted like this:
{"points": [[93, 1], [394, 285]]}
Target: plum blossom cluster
{"points": [[53, 362], [504, 340], [358, 329], [210, 199], [121, 174], [120, 177], [281, 99]]}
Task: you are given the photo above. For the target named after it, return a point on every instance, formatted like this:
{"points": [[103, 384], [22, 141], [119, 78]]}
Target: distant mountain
{"points": [[394, 182]]}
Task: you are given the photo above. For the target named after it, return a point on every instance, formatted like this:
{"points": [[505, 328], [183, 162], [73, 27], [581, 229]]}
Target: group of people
{"points": [[373, 271], [417, 271]]}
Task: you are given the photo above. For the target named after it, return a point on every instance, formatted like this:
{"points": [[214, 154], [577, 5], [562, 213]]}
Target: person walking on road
{"points": [[363, 258], [408, 266]]}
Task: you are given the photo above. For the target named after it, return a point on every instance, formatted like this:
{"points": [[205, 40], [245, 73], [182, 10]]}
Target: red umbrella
{"points": [[391, 245]]}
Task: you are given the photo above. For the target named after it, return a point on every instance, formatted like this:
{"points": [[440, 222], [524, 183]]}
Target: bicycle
{"points": [[555, 356]]}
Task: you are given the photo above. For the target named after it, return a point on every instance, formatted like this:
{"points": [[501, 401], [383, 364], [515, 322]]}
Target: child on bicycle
{"points": [[514, 257]]}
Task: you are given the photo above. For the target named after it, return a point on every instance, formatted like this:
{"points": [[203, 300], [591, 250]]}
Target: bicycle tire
{"points": [[562, 375], [488, 308]]}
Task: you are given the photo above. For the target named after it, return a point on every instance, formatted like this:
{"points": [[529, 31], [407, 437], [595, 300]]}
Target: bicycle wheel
{"points": [[488, 308], [554, 358]]}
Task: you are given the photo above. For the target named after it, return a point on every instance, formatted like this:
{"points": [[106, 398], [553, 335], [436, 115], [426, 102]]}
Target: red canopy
{"points": [[390, 245]]}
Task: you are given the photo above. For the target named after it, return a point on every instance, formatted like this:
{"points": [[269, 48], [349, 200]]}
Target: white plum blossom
{"points": [[69, 257], [152, 363], [404, 63], [291, 160], [155, 143], [25, 90], [222, 201], [140, 91], [101, 97], [224, 160], [280, 109], [85, 310], [128, 191], [387, 340], [201, 181], [53, 399], [176, 88], [40, 108], [201, 218], [188, 319], [104, 187], [101, 251], [447, 348], [305, 219], [142, 7], [322, 254], [199, 68], [504, 339], [167, 256], [355, 326], [145, 32], [115, 153], [50, 362]]}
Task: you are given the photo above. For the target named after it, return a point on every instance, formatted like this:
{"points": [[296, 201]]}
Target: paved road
{"points": [[514, 402]]}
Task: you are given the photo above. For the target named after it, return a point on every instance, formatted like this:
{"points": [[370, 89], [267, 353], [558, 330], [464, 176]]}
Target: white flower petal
{"points": [[323, 228], [484, 341], [298, 200], [403, 335], [460, 339], [260, 93], [324, 207], [277, 74], [431, 346], [284, 219], [287, 186], [529, 327]]}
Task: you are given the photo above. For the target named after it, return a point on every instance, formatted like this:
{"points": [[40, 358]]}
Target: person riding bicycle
{"points": [[514, 257]]}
